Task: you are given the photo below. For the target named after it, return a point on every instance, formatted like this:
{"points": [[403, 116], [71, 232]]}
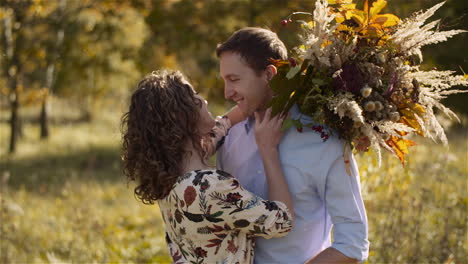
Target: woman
{"points": [[209, 217]]}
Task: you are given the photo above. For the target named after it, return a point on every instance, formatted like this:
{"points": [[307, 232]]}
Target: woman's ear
{"points": [[270, 72]]}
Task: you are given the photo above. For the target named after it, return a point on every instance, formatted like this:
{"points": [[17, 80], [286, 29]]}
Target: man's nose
{"points": [[228, 92]]}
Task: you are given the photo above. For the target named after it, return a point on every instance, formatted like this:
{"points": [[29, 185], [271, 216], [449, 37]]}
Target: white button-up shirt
{"points": [[324, 195]]}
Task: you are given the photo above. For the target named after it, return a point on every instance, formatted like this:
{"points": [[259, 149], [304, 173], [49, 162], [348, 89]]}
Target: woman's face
{"points": [[206, 119]]}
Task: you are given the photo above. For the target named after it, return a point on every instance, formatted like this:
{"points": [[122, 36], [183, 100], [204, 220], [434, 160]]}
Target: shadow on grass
{"points": [[82, 119], [51, 171]]}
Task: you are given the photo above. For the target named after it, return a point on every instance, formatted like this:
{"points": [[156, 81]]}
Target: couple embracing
{"points": [[274, 195]]}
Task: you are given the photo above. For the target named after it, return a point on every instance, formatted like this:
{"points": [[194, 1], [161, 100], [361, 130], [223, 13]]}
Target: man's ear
{"points": [[270, 71]]}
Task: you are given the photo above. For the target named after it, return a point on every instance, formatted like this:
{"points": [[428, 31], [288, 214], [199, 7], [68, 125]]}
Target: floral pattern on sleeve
{"points": [[216, 137], [210, 218]]}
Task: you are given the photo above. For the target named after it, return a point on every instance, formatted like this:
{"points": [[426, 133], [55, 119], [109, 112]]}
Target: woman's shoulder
{"points": [[206, 173], [203, 179]]}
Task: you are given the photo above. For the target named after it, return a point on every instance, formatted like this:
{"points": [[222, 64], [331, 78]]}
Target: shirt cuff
{"points": [[351, 240]]}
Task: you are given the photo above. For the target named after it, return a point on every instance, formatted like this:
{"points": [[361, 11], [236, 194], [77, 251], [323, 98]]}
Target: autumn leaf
{"points": [[279, 63], [400, 146], [369, 22], [408, 117], [333, 2]]}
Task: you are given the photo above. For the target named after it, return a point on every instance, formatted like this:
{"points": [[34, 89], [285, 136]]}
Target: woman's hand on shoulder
{"points": [[268, 132]]}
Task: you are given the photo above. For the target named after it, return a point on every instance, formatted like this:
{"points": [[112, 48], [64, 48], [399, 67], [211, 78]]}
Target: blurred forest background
{"points": [[67, 69]]}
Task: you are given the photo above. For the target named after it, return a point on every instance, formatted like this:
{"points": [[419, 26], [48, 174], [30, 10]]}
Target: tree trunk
{"points": [[12, 70], [44, 116], [51, 72], [87, 109], [14, 120], [44, 119]]}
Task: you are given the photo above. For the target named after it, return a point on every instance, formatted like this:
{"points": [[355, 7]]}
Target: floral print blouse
{"points": [[210, 218]]}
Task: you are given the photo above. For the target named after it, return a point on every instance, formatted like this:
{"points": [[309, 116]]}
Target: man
{"points": [[324, 194]]}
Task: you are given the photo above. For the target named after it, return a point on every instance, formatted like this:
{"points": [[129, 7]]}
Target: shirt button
{"points": [[259, 172]]}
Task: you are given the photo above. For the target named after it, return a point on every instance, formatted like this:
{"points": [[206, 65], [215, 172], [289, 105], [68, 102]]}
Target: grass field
{"points": [[66, 200]]}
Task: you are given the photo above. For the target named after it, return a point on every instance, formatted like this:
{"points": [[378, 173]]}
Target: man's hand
{"points": [[331, 256]]}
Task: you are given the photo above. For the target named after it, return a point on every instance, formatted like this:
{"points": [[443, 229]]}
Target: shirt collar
{"points": [[249, 123], [295, 112]]}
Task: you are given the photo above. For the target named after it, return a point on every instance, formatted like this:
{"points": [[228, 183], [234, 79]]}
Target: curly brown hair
{"points": [[161, 121]]}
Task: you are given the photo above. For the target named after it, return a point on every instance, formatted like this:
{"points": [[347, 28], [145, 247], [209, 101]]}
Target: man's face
{"points": [[243, 85]]}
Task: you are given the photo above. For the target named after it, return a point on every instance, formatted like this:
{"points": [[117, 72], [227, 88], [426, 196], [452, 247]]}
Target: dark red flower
{"points": [[350, 79], [284, 22], [318, 128], [232, 247], [293, 62], [200, 252], [233, 197], [323, 134], [204, 186]]}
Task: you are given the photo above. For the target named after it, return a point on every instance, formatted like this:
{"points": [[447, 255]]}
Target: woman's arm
{"points": [[235, 115], [242, 210], [268, 136], [212, 142]]}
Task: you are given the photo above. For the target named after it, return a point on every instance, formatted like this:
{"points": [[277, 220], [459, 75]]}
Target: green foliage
{"points": [[108, 45]]}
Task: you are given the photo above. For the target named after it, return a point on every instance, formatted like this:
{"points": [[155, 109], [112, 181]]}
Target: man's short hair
{"points": [[256, 46]]}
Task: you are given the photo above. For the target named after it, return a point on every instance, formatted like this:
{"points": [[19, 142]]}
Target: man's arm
{"points": [[344, 204], [331, 256]]}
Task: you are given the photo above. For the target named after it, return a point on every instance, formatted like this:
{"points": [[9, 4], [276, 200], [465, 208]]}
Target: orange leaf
{"points": [[279, 63], [379, 19], [366, 9], [386, 20], [409, 116], [348, 6], [400, 146], [359, 17]]}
